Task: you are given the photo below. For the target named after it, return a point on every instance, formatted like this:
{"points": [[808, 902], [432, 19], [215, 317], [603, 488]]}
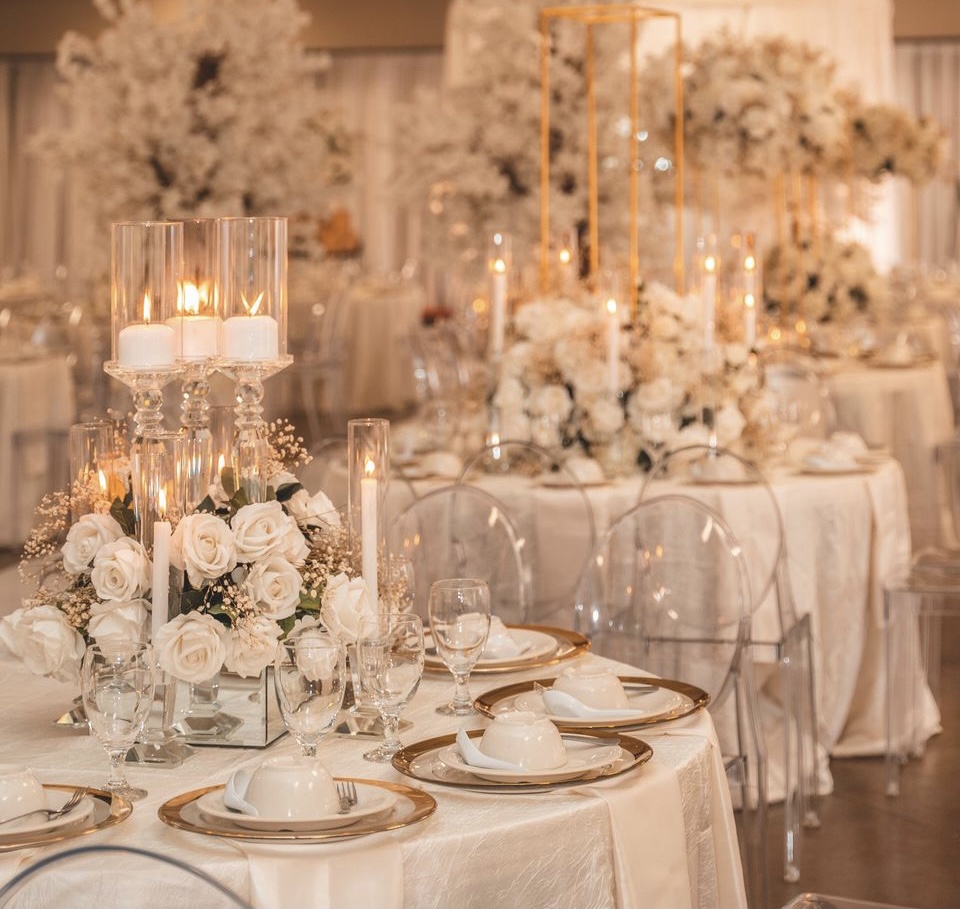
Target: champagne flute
{"points": [[309, 673], [459, 611], [390, 650], [117, 685]]}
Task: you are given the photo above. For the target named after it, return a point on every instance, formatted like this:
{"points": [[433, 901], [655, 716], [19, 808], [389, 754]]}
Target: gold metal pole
{"points": [[634, 174], [678, 153], [592, 181], [544, 154]]}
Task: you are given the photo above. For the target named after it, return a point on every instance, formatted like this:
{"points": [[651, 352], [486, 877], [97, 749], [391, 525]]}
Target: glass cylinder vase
{"points": [[368, 459]]}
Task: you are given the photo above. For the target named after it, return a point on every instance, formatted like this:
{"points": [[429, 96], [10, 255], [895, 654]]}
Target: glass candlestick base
{"points": [[146, 386], [250, 441], [199, 456]]}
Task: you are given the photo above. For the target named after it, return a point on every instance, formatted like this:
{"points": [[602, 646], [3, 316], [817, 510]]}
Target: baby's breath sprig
{"points": [[228, 598], [47, 536], [74, 603], [287, 450], [330, 554]]}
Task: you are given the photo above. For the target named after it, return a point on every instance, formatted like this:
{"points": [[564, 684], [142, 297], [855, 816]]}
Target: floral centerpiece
{"points": [[555, 389], [253, 574]]}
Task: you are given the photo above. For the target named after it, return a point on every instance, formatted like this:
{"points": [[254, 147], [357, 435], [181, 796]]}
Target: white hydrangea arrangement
{"points": [[252, 574], [215, 111], [886, 140], [554, 386], [824, 280]]}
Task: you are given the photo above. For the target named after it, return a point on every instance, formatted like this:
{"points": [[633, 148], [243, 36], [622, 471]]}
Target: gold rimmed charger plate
{"points": [[108, 809], [492, 702], [413, 805], [421, 762], [570, 644]]}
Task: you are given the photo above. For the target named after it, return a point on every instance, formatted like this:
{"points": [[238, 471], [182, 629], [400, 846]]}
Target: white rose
{"points": [[344, 603], [283, 478], [313, 510], [191, 647], [203, 545], [265, 529], [47, 643], [275, 586], [85, 539], [121, 571], [252, 645], [116, 621]]}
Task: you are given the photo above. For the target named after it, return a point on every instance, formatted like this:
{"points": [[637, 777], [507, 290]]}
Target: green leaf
{"points": [[238, 500], [207, 506], [124, 517], [285, 493], [228, 481]]}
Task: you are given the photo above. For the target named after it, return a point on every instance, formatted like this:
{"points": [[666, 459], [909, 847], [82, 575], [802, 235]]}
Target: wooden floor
{"points": [[905, 850]]}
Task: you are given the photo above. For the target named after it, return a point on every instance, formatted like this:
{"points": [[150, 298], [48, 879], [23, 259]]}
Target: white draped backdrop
{"points": [[37, 219]]}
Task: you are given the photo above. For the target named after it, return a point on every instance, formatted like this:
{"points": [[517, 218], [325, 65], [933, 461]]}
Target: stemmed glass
{"points": [[459, 611], [309, 673], [117, 685], [390, 651]]}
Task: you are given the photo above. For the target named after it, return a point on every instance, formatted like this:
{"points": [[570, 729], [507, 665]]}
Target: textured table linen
{"points": [[844, 536], [554, 849], [908, 411]]}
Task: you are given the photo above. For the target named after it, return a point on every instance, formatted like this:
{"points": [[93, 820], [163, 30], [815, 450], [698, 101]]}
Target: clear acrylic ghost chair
{"points": [[536, 467], [110, 877], [667, 590], [916, 600], [788, 640], [321, 360], [462, 531]]}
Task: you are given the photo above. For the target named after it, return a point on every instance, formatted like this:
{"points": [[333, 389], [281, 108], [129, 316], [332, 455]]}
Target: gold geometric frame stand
{"points": [[592, 16]]}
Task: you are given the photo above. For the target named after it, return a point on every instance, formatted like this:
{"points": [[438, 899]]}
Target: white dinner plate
{"points": [[371, 800], [582, 758], [645, 702], [838, 470], [560, 480], [536, 645], [37, 823]]}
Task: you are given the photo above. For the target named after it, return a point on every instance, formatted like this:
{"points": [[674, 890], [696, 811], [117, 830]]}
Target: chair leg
{"points": [[810, 795], [792, 744]]}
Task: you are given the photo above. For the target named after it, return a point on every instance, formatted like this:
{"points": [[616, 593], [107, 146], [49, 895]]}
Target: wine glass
{"points": [[459, 611], [309, 673], [117, 684], [390, 650]]}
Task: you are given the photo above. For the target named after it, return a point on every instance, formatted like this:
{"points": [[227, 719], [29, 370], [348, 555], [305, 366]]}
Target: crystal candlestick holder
{"points": [[146, 387]]}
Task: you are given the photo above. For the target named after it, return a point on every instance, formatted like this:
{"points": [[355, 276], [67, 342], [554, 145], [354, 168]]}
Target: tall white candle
{"points": [[161, 575], [750, 320], [368, 529], [613, 347], [498, 306], [708, 292]]}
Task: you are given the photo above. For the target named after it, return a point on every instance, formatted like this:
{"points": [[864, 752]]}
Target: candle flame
{"points": [[102, 480], [253, 307], [146, 306], [710, 264], [221, 461], [188, 298], [750, 263], [612, 306], [749, 301], [565, 256], [162, 503], [369, 467], [499, 266]]}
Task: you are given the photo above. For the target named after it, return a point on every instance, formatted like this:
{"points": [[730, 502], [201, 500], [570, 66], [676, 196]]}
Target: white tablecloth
{"points": [[844, 534], [548, 850], [909, 412], [36, 407]]}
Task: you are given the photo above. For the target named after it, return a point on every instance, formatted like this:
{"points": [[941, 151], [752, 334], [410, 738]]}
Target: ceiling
{"points": [[35, 26]]}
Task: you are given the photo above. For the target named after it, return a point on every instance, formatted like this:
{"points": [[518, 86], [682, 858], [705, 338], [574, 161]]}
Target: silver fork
{"points": [[53, 813], [348, 796]]}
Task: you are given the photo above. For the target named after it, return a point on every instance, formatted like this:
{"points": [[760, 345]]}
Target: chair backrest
{"points": [[667, 590], [749, 507], [328, 469], [103, 876], [462, 531], [527, 462]]}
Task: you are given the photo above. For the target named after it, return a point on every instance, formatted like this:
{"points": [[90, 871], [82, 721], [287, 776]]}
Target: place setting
{"points": [[587, 697], [295, 798], [842, 454]]}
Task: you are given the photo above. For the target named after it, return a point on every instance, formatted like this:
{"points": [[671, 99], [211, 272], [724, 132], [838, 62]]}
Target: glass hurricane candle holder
{"points": [[368, 459], [147, 257], [253, 294]]}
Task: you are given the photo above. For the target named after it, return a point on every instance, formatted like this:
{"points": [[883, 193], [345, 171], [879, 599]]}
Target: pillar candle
{"points": [[161, 577], [369, 488], [196, 337], [251, 338]]}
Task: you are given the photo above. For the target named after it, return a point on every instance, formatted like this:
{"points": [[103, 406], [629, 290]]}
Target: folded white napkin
{"points": [[333, 875], [476, 758], [649, 840], [559, 703], [851, 442], [500, 643], [829, 456]]}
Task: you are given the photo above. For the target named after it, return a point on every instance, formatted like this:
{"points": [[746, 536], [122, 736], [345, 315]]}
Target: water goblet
{"points": [[390, 651], [309, 673], [459, 610], [117, 685]]}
